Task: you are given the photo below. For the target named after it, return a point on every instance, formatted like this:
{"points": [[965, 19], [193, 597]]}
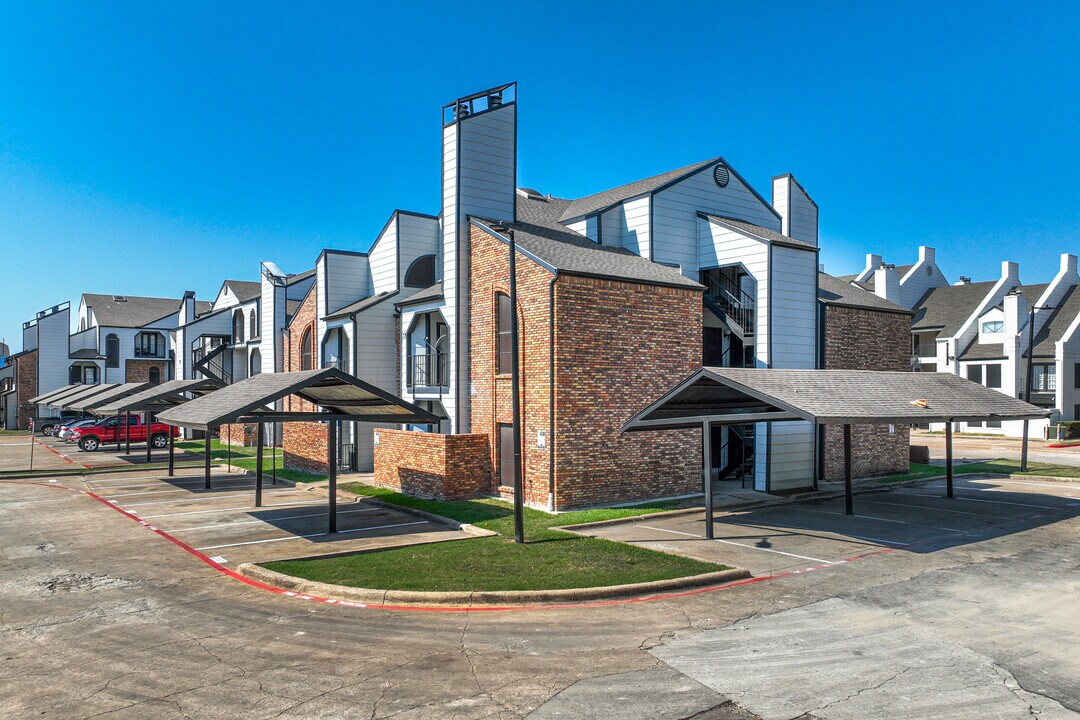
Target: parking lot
{"points": [[782, 538], [51, 453], [225, 524]]}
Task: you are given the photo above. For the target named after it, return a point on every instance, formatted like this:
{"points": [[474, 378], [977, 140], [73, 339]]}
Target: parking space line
{"points": [[935, 509], [834, 536], [175, 479], [729, 542], [181, 490], [302, 537], [217, 510], [888, 520], [995, 502], [1002, 481], [205, 498], [225, 526]]}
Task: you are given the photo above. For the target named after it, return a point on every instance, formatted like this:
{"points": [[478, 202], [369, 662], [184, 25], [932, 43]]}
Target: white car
{"points": [[64, 433]]}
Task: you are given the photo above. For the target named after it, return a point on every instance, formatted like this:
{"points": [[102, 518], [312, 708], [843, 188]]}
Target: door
{"points": [[506, 455]]}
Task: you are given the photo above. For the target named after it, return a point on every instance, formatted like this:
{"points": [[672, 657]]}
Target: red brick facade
{"points": [[139, 370], [304, 445], [26, 373], [239, 435], [618, 346], [861, 339], [446, 467]]}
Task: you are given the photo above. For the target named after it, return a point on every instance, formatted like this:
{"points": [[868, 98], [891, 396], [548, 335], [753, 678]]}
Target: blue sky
{"points": [[150, 148]]}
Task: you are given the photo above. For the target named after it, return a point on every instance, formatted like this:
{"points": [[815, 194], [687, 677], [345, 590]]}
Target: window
{"points": [[915, 345], [238, 326], [336, 350], [149, 344], [1044, 378], [84, 374], [975, 424], [307, 350], [993, 376], [1076, 375], [253, 330], [507, 465], [993, 326], [993, 423], [504, 346], [256, 362], [421, 273], [154, 375], [112, 351], [975, 373]]}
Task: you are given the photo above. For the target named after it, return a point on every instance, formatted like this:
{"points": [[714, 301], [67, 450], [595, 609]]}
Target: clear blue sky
{"points": [[150, 148]]}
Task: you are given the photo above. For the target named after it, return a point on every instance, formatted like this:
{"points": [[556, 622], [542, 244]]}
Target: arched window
{"points": [[112, 351], [256, 362], [307, 350], [238, 327], [421, 273], [504, 345], [154, 376], [253, 329]]}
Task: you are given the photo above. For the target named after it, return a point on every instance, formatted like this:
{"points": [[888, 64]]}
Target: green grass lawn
{"points": [[550, 559], [244, 458], [1001, 466]]}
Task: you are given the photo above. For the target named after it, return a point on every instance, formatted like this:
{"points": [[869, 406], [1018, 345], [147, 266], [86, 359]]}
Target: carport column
{"points": [[1024, 449], [206, 459], [849, 505], [148, 436], [258, 465], [127, 434], [172, 450], [331, 453], [706, 461], [948, 459]]}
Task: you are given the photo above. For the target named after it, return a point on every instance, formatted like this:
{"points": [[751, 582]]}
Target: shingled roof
{"points": [[538, 233], [758, 231], [361, 305], [947, 308], [244, 290], [834, 291], [603, 200], [1054, 329]]}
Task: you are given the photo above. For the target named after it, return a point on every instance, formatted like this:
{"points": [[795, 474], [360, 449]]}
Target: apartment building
{"points": [[41, 365]]}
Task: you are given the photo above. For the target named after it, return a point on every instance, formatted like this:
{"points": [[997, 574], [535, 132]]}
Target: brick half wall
{"points": [[431, 465]]}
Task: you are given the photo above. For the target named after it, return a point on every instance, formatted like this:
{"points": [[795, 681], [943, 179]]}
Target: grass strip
{"points": [[1002, 466], [550, 559]]}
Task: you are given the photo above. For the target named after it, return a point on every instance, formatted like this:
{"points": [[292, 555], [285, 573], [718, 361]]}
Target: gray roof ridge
{"points": [[605, 199]]}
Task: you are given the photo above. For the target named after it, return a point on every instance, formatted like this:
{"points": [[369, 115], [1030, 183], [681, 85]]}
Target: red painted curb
{"points": [[438, 609]]}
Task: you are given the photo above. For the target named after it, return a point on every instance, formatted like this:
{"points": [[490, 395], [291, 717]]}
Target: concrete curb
{"points": [[488, 598]]}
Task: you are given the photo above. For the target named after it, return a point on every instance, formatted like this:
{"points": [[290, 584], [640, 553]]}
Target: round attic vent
{"points": [[721, 175]]}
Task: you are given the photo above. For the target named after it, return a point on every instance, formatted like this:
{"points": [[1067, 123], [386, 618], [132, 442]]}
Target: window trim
{"points": [[112, 359], [307, 347], [502, 356], [999, 323], [411, 282], [158, 343]]}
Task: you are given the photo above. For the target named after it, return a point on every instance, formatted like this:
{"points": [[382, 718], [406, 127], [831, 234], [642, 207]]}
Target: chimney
{"points": [[798, 213], [187, 307], [887, 283], [273, 293], [873, 262], [1015, 306], [1068, 265], [964, 280]]}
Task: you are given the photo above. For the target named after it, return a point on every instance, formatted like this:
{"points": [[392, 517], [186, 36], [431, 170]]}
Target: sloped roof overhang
{"points": [[114, 392], [159, 397]]}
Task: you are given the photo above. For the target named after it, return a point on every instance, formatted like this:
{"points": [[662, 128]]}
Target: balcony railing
{"points": [[736, 302], [429, 370]]}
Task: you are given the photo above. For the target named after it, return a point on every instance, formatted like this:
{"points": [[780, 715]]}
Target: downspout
{"points": [[551, 393]]}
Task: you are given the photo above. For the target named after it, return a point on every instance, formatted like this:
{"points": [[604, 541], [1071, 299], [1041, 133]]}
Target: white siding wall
{"points": [[720, 247], [581, 227], [611, 227], [804, 217], [85, 340], [416, 235], [383, 259], [272, 306], [918, 281], [346, 277], [52, 344], [635, 225], [675, 221], [216, 324]]}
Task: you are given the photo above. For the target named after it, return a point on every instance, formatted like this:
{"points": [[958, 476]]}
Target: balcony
{"points": [[428, 370], [725, 297]]}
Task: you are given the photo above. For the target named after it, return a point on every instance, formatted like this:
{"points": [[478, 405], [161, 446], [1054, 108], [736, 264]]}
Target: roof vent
{"points": [[964, 280], [721, 175], [119, 298]]}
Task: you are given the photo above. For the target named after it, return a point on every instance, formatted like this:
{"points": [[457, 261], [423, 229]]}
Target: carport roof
{"points": [[84, 392], [826, 397], [159, 397], [113, 392], [54, 393], [339, 396]]}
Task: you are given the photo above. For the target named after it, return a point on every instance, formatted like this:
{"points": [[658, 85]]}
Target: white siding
{"points": [[781, 196], [272, 307], [720, 247], [635, 225], [85, 340], [52, 344], [804, 217], [346, 277], [416, 235], [918, 280], [383, 259], [794, 309], [611, 227], [675, 209]]}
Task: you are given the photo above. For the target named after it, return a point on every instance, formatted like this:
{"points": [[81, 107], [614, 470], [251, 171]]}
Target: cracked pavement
{"points": [[108, 620]]}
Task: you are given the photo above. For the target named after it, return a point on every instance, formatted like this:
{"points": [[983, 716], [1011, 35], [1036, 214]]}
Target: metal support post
{"points": [[258, 465], [849, 500], [706, 461], [172, 453], [948, 460], [206, 459], [331, 452]]}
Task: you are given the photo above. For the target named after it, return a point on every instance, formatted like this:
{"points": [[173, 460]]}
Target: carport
{"points": [[60, 400], [42, 398], [155, 399], [335, 395], [90, 401], [736, 396]]}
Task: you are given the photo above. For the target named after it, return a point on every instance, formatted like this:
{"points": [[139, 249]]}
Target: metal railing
{"points": [[429, 369], [736, 302]]}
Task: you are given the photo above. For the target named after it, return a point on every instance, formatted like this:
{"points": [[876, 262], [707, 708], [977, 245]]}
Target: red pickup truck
{"points": [[94, 437]]}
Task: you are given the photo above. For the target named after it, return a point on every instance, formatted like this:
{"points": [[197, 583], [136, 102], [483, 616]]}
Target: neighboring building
{"points": [[911, 282], [7, 387], [41, 366], [864, 331]]}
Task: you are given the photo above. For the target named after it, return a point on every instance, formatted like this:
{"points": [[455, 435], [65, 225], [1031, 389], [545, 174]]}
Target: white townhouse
{"points": [[901, 284]]}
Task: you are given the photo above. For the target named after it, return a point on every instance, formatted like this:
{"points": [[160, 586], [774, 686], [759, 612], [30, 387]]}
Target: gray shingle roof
{"points": [[948, 308], [602, 200], [166, 394], [757, 231], [85, 354], [111, 392], [54, 393], [831, 397], [361, 305], [834, 291], [132, 311], [298, 277], [983, 351], [539, 233], [1054, 329], [244, 290], [868, 284], [330, 388], [431, 293]]}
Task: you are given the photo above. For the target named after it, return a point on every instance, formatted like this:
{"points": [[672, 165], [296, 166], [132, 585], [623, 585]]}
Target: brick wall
{"points": [[858, 339], [139, 370], [618, 346], [26, 373], [303, 444], [238, 434], [432, 465]]}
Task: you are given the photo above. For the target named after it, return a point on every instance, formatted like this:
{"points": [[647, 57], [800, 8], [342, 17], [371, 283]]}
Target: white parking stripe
{"points": [[888, 520], [301, 537], [934, 509], [189, 491], [220, 510], [995, 502], [176, 479], [225, 526], [729, 542], [1001, 481], [206, 498]]}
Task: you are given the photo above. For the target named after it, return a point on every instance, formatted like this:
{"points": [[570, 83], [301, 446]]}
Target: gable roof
{"points": [[539, 234], [603, 200], [435, 292], [299, 277], [868, 283], [983, 351], [947, 308], [361, 305], [244, 290], [762, 233], [1054, 328], [132, 311], [834, 291]]}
